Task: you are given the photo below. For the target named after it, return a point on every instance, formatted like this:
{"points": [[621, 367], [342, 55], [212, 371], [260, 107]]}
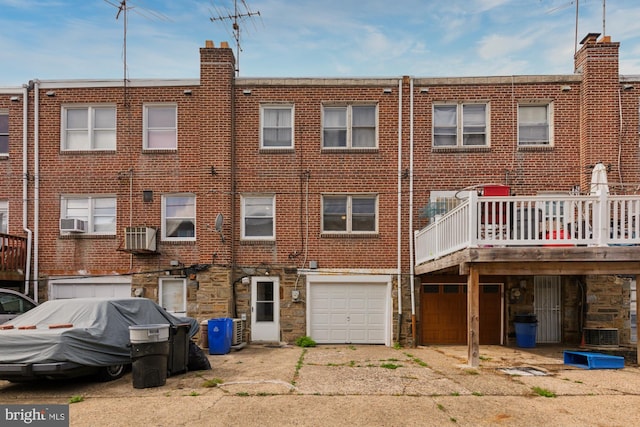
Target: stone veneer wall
{"points": [[608, 301]]}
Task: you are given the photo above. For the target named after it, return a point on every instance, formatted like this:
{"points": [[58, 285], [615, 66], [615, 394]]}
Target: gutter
{"points": [[25, 188], [399, 213], [36, 188]]}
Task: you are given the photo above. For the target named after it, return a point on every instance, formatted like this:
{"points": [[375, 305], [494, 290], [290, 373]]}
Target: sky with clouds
{"points": [[85, 39]]}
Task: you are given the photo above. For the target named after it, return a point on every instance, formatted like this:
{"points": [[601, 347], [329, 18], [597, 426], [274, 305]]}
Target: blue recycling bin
{"points": [[220, 334], [526, 334]]}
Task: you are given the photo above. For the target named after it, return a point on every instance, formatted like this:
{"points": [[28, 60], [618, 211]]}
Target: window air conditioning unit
{"points": [[601, 337], [140, 239], [238, 331], [73, 225]]}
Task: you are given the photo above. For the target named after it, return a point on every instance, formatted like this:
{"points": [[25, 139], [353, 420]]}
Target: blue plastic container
{"points": [[526, 334], [220, 334]]}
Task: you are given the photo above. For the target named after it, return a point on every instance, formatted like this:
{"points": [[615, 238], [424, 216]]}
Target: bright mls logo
{"points": [[34, 415]]}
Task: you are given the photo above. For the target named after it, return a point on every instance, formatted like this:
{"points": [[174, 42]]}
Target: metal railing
{"points": [[550, 220]]}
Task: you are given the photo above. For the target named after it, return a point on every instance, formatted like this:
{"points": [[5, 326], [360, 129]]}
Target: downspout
{"points": [[399, 236], [411, 237], [36, 187], [232, 220], [25, 186]]}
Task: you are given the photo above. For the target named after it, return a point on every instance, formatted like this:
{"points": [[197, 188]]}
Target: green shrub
{"points": [[305, 342]]}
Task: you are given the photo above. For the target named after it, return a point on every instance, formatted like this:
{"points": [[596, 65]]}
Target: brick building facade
{"points": [[290, 202]]}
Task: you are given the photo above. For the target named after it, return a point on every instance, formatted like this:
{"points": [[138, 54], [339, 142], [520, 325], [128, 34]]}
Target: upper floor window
{"points": [[460, 125], [277, 126], [88, 128], [349, 126], [179, 217], [349, 213], [160, 127], [258, 217], [98, 213], [4, 133], [4, 216], [534, 124]]}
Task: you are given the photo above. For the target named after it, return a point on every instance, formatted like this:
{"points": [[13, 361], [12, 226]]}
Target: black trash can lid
{"points": [[525, 318]]}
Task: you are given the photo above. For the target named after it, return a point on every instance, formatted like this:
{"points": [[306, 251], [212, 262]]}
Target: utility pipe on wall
{"points": [[411, 237], [399, 213]]}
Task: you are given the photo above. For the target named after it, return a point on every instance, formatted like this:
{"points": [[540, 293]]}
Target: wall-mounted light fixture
{"points": [[424, 90], [147, 196], [246, 91], [387, 90], [566, 88], [51, 93], [187, 92], [15, 98], [627, 87], [313, 264]]}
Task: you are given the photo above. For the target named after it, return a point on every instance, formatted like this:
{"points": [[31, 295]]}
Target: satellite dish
{"points": [[219, 221]]}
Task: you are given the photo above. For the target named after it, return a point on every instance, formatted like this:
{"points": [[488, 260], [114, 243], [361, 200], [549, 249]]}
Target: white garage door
{"points": [[89, 288], [348, 313]]}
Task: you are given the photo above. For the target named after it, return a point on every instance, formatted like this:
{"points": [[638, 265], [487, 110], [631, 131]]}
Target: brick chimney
{"points": [[598, 62]]}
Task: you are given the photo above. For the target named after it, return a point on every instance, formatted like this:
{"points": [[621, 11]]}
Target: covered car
{"points": [[80, 336]]}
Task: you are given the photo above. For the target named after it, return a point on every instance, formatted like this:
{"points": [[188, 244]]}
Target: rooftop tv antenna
{"points": [[235, 17], [123, 9]]}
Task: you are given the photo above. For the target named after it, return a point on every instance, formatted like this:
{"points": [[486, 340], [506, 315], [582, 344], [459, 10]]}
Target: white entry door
{"points": [[265, 309], [547, 308]]}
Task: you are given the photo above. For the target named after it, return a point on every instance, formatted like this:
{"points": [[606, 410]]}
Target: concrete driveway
{"points": [[358, 385]]}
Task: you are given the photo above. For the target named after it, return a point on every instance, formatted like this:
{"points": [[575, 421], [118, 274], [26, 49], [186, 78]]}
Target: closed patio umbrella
{"points": [[599, 179]]}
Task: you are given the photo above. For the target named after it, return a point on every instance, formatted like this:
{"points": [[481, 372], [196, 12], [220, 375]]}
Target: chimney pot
{"points": [[208, 43], [224, 45]]}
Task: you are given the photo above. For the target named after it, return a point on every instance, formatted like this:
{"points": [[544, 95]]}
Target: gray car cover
{"points": [[99, 335]]}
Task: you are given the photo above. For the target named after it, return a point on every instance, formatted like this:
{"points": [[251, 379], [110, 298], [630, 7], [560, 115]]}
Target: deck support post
{"points": [[473, 317]]}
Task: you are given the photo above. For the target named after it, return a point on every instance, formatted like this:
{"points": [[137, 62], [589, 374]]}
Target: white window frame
{"points": [[169, 129], [245, 215], [165, 199], [460, 125], [349, 126], [549, 124], [5, 113], [4, 216], [174, 304], [277, 127], [92, 211], [349, 212], [91, 131]]}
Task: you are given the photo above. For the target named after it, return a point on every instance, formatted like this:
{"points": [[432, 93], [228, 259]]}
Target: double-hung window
{"points": [[4, 133], [460, 125], [86, 128], [535, 124], [179, 217], [349, 126], [277, 126], [343, 213], [258, 217], [4, 216], [98, 212], [161, 127]]}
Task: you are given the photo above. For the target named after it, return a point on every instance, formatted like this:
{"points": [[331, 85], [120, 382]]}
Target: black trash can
{"points": [[178, 349], [150, 349], [526, 326]]}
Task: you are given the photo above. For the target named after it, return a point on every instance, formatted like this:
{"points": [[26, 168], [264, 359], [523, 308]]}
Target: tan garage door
{"points": [[444, 313]]}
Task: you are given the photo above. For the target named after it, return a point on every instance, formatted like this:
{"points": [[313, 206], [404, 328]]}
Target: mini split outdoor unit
{"points": [[140, 239], [601, 337], [238, 331]]}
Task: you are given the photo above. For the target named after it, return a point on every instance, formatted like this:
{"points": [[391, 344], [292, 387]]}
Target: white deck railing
{"points": [[504, 221]]}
